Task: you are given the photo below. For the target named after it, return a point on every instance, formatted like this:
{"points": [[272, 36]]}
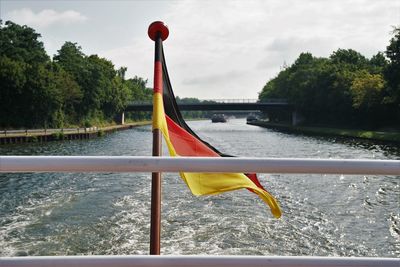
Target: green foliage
{"points": [[87, 123], [71, 58], [366, 89], [58, 136], [20, 43], [12, 80], [100, 133], [392, 74], [24, 78], [138, 91], [378, 63], [194, 114], [350, 57], [346, 89], [73, 89]]}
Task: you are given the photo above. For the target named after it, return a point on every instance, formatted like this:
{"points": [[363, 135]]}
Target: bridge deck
{"points": [[215, 106]]}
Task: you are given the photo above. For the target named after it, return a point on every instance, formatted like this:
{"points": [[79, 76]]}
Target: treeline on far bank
{"points": [[345, 90], [70, 89]]}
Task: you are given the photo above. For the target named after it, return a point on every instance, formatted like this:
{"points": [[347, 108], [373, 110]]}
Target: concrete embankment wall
{"points": [[45, 137], [383, 136]]}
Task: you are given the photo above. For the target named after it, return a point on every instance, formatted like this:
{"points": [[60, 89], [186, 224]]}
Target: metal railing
{"points": [[232, 100], [195, 164], [196, 261], [218, 100], [247, 100], [191, 164], [46, 131]]}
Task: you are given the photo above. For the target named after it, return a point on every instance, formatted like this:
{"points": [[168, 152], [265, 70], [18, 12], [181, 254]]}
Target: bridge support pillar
{"points": [[120, 118], [297, 118]]}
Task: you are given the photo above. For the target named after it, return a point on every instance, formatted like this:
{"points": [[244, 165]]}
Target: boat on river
{"points": [[251, 117], [218, 118]]}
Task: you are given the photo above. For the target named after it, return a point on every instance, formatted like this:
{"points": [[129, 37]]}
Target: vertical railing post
{"points": [[158, 32]]}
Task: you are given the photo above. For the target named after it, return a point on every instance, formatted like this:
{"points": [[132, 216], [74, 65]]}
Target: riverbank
{"points": [[384, 136], [45, 135]]}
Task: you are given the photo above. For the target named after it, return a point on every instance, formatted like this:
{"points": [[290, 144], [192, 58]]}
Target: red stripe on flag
{"points": [[253, 177], [186, 144], [158, 79]]}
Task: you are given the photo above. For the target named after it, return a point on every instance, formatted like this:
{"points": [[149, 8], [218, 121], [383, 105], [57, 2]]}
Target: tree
{"points": [[392, 71], [366, 90], [21, 43], [71, 58], [378, 60], [23, 76], [12, 81], [69, 96], [343, 89], [102, 87], [72, 89], [349, 57]]}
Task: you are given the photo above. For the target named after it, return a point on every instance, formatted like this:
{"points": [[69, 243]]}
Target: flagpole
{"points": [[157, 32]]}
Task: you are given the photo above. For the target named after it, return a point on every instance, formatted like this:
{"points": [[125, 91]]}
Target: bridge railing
{"points": [[218, 100], [232, 100], [140, 102], [247, 100]]}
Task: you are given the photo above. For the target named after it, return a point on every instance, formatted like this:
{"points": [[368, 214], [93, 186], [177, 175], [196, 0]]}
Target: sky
{"points": [[216, 48]]}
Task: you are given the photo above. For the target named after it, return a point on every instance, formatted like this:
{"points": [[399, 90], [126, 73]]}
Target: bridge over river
{"points": [[219, 104], [277, 109]]}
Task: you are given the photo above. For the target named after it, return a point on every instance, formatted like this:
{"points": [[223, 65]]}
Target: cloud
{"points": [[228, 49], [44, 18], [219, 78], [138, 57], [286, 49]]}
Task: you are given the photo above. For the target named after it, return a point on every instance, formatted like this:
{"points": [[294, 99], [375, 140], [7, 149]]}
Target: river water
{"points": [[108, 213]]}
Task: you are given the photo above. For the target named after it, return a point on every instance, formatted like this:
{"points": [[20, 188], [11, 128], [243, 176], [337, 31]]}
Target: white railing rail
{"points": [[196, 164], [196, 261]]}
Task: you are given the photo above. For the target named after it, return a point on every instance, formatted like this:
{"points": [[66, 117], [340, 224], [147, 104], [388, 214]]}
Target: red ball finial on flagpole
{"points": [[158, 26]]}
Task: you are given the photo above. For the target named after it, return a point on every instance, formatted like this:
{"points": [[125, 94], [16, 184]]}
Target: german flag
{"points": [[182, 141]]}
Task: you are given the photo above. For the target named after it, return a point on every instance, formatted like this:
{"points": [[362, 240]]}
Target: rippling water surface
{"points": [[107, 213]]}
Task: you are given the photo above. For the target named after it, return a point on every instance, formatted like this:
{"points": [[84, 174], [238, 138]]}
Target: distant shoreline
{"points": [[383, 136]]}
